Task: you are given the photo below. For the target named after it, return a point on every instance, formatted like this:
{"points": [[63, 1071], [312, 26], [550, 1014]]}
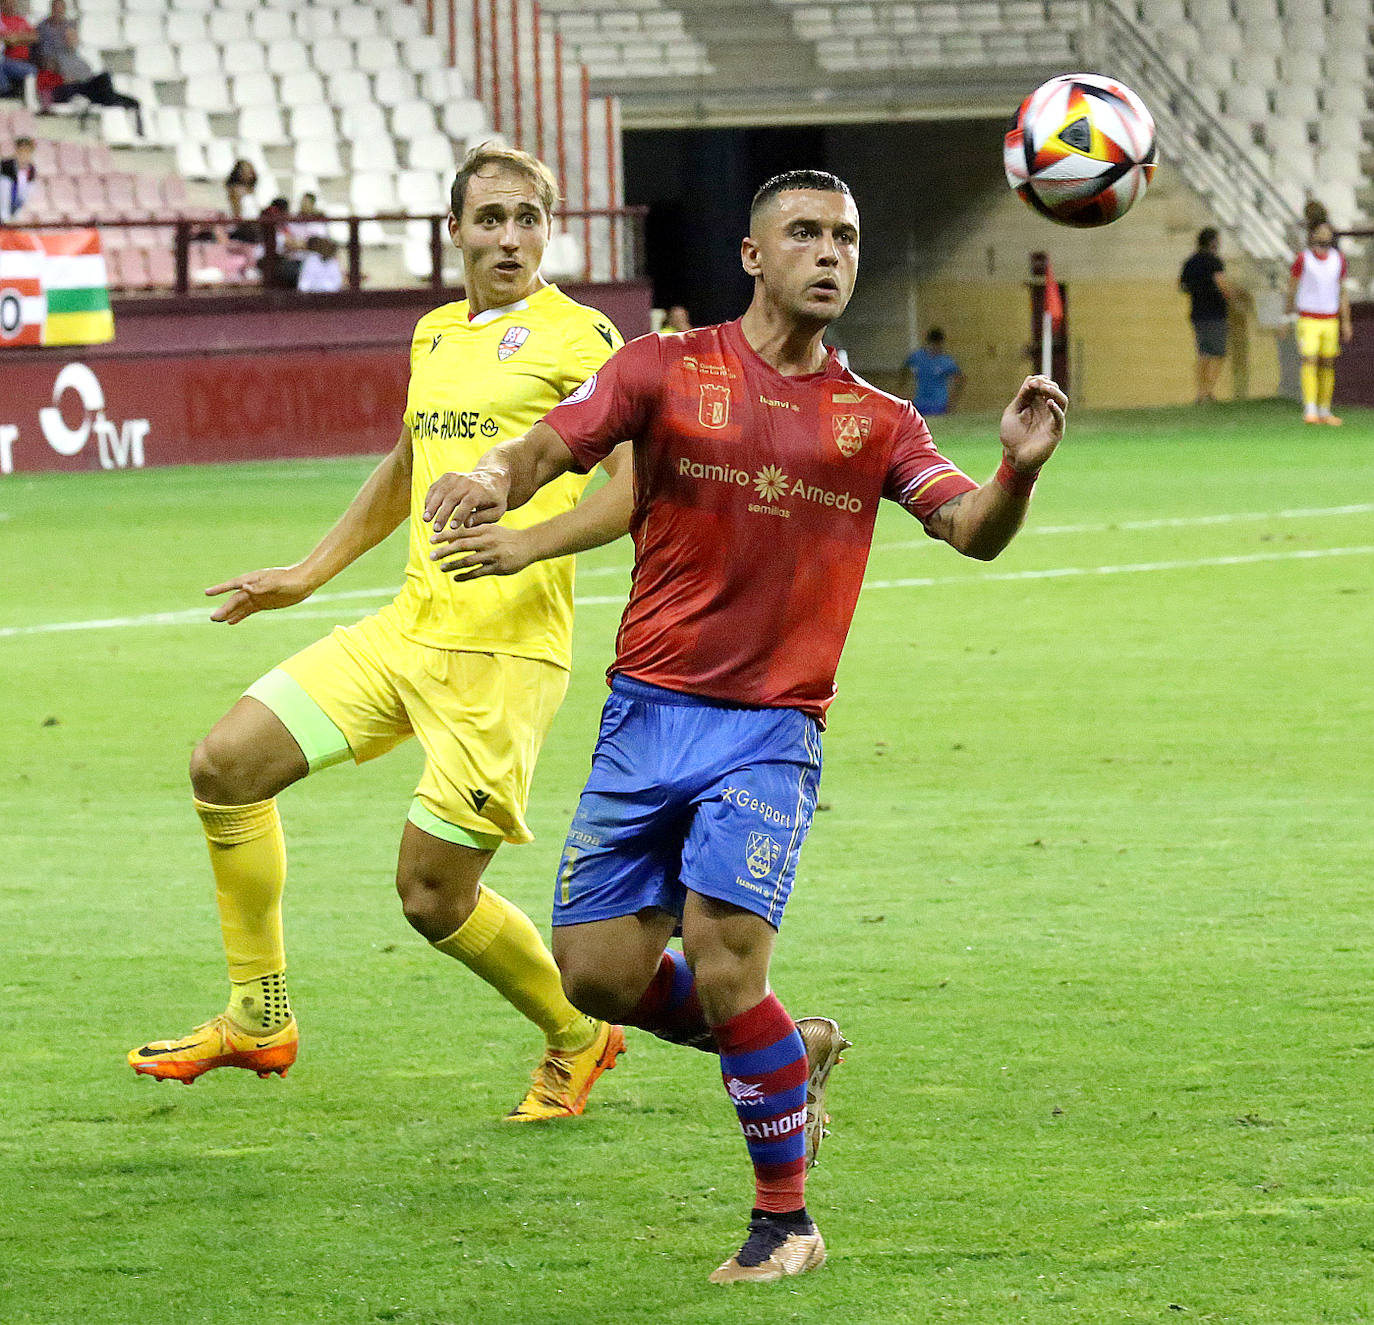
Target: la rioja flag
{"points": [[53, 288]]}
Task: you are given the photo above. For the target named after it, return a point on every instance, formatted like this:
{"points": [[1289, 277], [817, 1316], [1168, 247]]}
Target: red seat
{"points": [[162, 269], [71, 159]]}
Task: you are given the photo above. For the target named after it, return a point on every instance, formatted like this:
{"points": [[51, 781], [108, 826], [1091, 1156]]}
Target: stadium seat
{"points": [[362, 119], [209, 92], [220, 157], [182, 26], [101, 30], [464, 120], [349, 86], [162, 270], [403, 21], [301, 89], [243, 56], [421, 53], [71, 159], [440, 86], [314, 22], [269, 25], [358, 21], [257, 89], [412, 118], [315, 120], [288, 56], [319, 156], [420, 191], [331, 55], [373, 153], [190, 159], [431, 151], [1297, 101], [143, 30], [148, 195], [196, 58], [372, 192], [391, 86], [378, 54], [155, 60], [262, 124], [228, 25]]}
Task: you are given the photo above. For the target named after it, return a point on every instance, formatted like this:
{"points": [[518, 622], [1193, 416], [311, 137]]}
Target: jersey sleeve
{"points": [[613, 404], [1296, 268], [918, 476]]}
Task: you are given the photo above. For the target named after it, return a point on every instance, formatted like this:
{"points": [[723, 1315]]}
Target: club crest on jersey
{"points": [[514, 338], [761, 854], [715, 405], [851, 432]]}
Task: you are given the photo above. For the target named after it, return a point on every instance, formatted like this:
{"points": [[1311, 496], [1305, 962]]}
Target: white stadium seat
{"points": [[243, 56], [332, 54], [262, 124], [465, 119], [182, 26], [319, 156], [420, 191], [358, 21], [271, 25], [303, 89], [403, 21], [420, 53], [155, 61], [412, 118], [373, 153], [195, 58], [439, 86], [228, 25], [315, 120], [349, 86], [362, 119], [314, 22], [377, 54], [288, 56], [370, 192], [431, 151], [391, 86], [253, 90], [209, 92]]}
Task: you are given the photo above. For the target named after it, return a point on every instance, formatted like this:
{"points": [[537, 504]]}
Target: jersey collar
{"points": [[493, 314]]}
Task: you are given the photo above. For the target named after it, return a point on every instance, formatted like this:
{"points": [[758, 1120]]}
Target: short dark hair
{"points": [[1208, 236], [935, 336], [796, 179], [504, 158], [25, 141]]}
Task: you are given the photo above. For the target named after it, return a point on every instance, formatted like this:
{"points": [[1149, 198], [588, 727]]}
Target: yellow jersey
{"points": [[475, 382]]}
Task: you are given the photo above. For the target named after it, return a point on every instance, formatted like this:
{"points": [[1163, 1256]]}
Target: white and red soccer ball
{"points": [[1081, 149]]}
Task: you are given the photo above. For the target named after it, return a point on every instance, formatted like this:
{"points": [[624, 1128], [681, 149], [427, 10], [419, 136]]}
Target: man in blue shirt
{"points": [[935, 375]]}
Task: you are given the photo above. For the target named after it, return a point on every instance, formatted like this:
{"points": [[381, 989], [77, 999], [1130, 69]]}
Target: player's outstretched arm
{"points": [[381, 504], [491, 549], [507, 476], [981, 523]]}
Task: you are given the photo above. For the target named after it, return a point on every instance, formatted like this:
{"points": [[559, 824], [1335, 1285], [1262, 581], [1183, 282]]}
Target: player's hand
{"points": [[457, 500], [259, 591], [489, 549], [1033, 424]]}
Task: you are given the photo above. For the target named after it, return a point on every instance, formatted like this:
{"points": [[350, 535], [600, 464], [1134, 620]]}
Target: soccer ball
{"points": [[1081, 149]]}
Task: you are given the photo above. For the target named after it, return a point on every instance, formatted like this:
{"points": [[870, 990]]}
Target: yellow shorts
{"points": [[480, 718], [1319, 337]]}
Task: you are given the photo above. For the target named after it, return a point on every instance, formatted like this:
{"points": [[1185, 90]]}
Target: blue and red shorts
{"points": [[689, 794]]}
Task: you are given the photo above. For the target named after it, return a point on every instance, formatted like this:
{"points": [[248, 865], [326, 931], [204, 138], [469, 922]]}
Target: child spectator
{"points": [[17, 175]]}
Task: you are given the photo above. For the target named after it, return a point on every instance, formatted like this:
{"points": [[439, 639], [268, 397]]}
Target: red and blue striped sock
{"points": [[763, 1063], [669, 1007]]}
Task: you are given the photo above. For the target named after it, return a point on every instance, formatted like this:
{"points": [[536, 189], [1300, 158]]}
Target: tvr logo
{"points": [[118, 447]]}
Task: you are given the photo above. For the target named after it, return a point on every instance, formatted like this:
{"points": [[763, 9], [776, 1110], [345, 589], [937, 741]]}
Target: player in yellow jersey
{"points": [[473, 667]]}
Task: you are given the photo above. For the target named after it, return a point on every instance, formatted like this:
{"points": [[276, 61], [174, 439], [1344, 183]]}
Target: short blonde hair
{"points": [[505, 158]]}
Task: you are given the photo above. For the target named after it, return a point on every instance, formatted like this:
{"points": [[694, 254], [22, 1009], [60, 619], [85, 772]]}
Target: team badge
{"points": [[715, 405], [582, 392], [514, 338], [851, 432], [762, 854]]}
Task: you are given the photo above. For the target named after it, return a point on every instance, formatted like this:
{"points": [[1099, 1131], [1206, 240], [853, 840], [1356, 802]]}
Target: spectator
{"points": [[935, 378], [1209, 295], [79, 79], [677, 319], [239, 185], [16, 37], [52, 35], [17, 175], [310, 223], [320, 272]]}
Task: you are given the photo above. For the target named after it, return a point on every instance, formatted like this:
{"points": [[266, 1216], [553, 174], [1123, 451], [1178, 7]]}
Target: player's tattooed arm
{"points": [[492, 549], [981, 523], [381, 504]]}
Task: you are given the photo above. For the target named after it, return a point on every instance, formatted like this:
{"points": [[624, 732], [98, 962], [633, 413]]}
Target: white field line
{"points": [[196, 615], [1176, 522]]}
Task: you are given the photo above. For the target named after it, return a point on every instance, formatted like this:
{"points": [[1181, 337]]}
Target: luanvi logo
{"points": [[479, 798]]}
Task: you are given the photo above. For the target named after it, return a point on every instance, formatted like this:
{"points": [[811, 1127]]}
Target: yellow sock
{"points": [[1309, 385], [1326, 386], [260, 1005], [248, 857], [499, 943]]}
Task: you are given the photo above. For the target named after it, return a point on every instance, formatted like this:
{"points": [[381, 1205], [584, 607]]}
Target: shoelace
{"points": [[765, 1237]]}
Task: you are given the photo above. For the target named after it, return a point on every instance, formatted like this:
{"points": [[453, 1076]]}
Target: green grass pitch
{"points": [[1090, 892]]}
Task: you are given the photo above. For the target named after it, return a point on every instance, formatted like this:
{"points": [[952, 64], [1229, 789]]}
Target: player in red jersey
{"points": [[759, 463]]}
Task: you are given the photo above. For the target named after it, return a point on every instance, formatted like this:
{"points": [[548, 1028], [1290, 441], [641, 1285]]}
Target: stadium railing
{"points": [[167, 263]]}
